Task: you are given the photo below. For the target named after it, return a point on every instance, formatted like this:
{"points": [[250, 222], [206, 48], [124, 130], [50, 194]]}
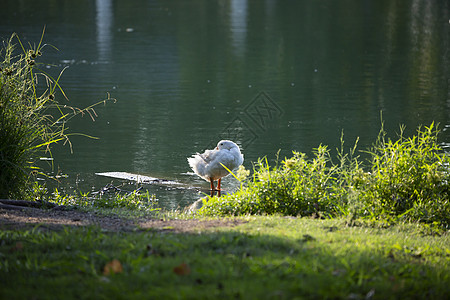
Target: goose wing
{"points": [[201, 163], [208, 165]]}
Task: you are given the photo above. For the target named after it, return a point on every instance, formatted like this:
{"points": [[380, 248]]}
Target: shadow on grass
{"points": [[225, 263]]}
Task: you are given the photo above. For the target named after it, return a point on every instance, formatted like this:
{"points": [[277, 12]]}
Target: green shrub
{"points": [[297, 187], [407, 179]]}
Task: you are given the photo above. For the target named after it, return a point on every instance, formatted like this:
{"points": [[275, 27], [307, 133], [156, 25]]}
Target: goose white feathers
{"points": [[208, 165]]}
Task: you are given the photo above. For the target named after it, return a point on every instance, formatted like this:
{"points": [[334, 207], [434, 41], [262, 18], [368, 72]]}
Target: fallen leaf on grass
{"points": [[113, 267], [18, 247], [182, 269]]}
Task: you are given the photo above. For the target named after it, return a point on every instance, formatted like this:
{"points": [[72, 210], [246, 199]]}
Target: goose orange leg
{"points": [[218, 184], [212, 187]]}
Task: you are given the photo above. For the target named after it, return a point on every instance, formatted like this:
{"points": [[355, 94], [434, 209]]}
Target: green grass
{"points": [[132, 201], [267, 258]]}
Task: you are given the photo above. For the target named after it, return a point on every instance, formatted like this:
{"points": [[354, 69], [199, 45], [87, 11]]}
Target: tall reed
{"points": [[31, 118]]}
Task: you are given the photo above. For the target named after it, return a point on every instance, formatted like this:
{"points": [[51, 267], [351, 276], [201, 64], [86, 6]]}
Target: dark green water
{"points": [[269, 75]]}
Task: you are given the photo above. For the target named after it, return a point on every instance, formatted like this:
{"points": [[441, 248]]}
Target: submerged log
{"points": [[156, 181], [138, 178]]}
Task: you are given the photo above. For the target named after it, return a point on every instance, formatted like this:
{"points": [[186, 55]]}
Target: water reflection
{"points": [[104, 22], [238, 26]]}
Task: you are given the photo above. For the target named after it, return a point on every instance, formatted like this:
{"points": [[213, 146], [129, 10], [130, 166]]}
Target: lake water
{"points": [[269, 75]]}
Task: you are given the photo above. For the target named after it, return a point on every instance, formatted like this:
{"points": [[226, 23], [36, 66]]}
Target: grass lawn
{"points": [[267, 257]]}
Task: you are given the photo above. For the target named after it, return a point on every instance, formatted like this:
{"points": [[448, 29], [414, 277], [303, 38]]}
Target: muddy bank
{"points": [[57, 219]]}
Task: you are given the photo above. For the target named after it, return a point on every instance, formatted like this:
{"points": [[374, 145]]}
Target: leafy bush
{"points": [[407, 179], [297, 187]]}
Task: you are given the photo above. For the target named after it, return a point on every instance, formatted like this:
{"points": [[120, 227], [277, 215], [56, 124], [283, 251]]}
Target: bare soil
{"points": [[57, 219]]}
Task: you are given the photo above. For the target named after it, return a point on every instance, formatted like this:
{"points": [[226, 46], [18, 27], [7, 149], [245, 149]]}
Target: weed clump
{"points": [[25, 127], [407, 179]]}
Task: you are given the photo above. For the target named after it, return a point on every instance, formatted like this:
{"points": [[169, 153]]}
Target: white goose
{"points": [[208, 165]]}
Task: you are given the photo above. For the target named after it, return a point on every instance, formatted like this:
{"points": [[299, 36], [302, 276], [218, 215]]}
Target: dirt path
{"points": [[57, 219]]}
